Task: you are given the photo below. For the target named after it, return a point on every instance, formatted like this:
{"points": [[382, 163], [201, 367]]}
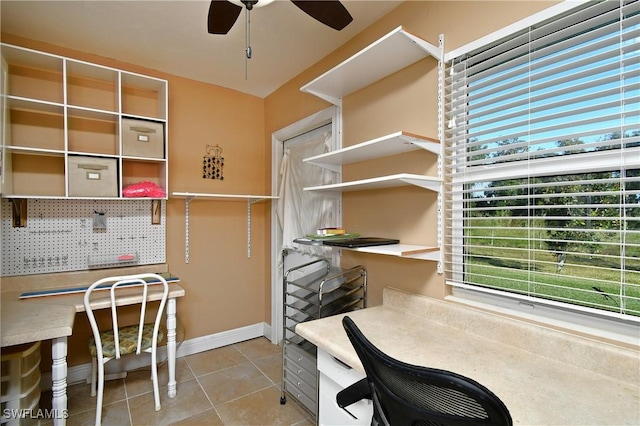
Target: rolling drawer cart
{"points": [[311, 291]]}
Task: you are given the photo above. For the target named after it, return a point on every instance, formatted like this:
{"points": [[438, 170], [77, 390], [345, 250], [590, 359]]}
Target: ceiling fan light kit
{"points": [[250, 4]]}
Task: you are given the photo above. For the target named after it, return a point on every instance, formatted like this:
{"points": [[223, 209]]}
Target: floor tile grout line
{"points": [[247, 394], [202, 389], [129, 411], [263, 373], [258, 359], [223, 369]]}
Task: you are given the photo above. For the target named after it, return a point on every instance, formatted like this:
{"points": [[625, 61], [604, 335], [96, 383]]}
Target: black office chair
{"points": [[405, 394]]}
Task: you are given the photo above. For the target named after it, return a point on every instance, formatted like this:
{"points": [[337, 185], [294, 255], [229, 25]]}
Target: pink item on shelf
{"points": [[143, 189], [125, 257]]}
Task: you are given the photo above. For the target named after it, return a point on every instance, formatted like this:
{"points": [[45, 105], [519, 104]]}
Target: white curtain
{"points": [[302, 212]]}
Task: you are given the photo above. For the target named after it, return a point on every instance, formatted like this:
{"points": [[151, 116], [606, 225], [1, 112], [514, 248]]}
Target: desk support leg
{"points": [[171, 345], [59, 379]]}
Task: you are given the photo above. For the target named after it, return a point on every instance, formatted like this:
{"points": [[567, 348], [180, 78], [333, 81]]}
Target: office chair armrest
{"points": [[354, 393]]}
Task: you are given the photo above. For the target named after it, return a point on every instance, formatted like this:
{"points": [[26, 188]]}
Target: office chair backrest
{"points": [[405, 394], [136, 286]]}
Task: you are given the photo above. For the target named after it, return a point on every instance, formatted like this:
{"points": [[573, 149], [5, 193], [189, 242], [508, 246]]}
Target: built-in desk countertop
{"points": [[52, 317], [543, 376]]}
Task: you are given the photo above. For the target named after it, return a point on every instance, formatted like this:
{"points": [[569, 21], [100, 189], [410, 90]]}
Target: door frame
{"points": [[331, 115]]}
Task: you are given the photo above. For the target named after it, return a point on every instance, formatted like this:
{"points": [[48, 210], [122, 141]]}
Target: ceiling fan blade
{"points": [[222, 16], [330, 12]]}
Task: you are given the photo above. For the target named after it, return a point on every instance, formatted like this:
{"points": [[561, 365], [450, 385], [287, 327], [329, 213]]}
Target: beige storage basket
{"points": [[93, 177], [20, 380], [141, 138]]}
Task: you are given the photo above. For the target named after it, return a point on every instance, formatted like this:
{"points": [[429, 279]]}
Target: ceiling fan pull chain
{"points": [[248, 44], [248, 35]]}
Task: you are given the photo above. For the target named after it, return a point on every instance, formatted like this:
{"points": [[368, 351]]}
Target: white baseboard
{"points": [[79, 373]]}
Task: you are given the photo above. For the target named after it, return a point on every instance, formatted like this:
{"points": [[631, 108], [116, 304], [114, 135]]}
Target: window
{"points": [[542, 163]]}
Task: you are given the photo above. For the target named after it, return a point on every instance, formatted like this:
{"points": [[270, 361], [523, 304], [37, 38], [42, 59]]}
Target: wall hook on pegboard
{"points": [[213, 163]]}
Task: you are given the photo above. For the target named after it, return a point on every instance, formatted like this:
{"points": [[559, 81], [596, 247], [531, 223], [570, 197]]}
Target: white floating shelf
{"points": [[395, 143], [409, 251], [403, 250], [382, 182], [228, 197], [389, 54]]}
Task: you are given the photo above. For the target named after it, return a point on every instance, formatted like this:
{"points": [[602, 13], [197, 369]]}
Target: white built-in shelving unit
{"points": [[389, 54], [55, 109]]}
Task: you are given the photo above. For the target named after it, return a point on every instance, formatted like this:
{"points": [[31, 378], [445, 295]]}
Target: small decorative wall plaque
{"points": [[213, 163]]}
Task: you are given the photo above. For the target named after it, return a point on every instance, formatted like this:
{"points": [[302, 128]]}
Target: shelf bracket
{"points": [[187, 200], [250, 202]]}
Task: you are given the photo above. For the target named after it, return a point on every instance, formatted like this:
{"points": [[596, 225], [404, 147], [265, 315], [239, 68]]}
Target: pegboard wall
{"points": [[61, 235]]}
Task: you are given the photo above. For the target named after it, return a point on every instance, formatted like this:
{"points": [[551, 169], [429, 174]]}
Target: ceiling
{"points": [[171, 36]]}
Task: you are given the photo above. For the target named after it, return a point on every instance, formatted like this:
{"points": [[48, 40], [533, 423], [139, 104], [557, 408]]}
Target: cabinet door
{"points": [[359, 413], [334, 377]]}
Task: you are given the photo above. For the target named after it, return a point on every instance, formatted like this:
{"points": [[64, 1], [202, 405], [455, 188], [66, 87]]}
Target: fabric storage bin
{"points": [[141, 138], [93, 177], [20, 380]]}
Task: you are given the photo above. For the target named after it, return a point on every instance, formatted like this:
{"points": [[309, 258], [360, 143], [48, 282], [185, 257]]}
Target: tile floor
{"points": [[233, 385]]}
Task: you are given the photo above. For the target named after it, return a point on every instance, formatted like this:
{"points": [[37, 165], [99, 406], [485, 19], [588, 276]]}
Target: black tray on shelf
{"points": [[361, 242]]}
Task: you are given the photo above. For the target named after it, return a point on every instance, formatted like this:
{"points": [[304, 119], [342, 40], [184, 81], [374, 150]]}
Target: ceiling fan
{"points": [[224, 13]]}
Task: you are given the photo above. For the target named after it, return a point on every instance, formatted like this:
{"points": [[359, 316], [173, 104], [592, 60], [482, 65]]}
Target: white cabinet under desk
{"points": [[544, 376], [335, 376]]}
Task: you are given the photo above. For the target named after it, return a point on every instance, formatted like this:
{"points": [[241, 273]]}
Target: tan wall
{"points": [[224, 289], [405, 101]]}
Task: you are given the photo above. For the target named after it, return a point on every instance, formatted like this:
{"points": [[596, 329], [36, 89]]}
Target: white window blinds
{"points": [[543, 162]]}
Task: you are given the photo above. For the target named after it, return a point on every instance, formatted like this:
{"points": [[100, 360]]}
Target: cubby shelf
{"points": [[398, 49], [56, 109]]}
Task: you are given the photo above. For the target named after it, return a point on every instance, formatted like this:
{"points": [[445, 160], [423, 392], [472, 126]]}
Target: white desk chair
{"points": [[117, 341]]}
